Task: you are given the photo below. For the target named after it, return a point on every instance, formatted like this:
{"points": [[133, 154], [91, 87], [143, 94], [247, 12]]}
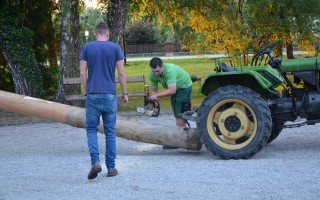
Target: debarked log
{"points": [[140, 131]]}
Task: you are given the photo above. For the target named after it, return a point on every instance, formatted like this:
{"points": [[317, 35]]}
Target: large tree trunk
{"points": [[116, 18], [70, 48], [129, 129], [20, 83]]}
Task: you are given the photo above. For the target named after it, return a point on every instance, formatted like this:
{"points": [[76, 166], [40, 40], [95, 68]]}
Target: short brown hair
{"points": [[102, 28]]}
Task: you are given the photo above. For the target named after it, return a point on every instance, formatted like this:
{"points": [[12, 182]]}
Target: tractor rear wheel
{"points": [[234, 122]]}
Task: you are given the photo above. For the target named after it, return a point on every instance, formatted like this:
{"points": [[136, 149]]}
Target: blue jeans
{"points": [[104, 105]]}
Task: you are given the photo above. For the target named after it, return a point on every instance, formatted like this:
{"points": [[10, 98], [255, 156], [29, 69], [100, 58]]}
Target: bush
{"points": [[140, 32]]}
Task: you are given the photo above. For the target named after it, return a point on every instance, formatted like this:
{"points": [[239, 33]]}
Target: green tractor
{"points": [[246, 107]]}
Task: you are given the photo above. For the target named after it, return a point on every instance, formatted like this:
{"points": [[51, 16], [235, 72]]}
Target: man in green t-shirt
{"points": [[177, 84]]}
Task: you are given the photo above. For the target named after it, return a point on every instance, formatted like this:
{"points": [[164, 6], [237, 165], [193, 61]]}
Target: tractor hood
{"points": [[300, 64]]}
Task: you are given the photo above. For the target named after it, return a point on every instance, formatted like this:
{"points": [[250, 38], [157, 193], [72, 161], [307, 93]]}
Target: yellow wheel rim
{"points": [[232, 124]]}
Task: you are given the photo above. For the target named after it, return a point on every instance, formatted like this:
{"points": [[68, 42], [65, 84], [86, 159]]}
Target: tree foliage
{"points": [[16, 47], [40, 20], [141, 32], [39, 67], [89, 18], [234, 26], [286, 20]]}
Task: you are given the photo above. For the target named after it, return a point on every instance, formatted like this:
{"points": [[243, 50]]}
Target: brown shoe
{"points": [[95, 169], [112, 172]]}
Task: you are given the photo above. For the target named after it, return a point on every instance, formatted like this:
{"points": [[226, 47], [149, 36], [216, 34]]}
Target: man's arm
{"points": [[122, 79], [154, 90], [83, 74], [168, 92], [172, 87]]}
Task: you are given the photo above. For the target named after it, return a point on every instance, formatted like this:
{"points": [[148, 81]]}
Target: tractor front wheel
{"points": [[234, 122]]}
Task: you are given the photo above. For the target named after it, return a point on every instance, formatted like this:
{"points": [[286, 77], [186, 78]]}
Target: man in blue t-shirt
{"points": [[101, 58]]}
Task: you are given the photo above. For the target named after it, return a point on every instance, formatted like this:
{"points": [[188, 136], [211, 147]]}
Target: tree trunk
{"points": [[20, 83], [70, 48], [289, 50], [116, 18], [129, 129]]}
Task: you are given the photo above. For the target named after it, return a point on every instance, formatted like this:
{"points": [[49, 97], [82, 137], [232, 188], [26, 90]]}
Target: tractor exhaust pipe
{"points": [[75, 116]]}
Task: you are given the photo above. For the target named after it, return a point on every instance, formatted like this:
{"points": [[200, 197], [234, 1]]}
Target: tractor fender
{"points": [[249, 79]]}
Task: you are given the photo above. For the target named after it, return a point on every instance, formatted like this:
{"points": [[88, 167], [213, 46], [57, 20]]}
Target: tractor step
{"points": [[188, 116], [297, 123]]}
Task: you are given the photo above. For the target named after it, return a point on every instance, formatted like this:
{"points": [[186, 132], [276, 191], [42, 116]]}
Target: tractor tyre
{"points": [[234, 122], [275, 132]]}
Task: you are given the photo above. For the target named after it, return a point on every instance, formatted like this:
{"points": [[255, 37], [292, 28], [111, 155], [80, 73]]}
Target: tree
{"points": [[116, 17], [88, 20], [286, 20], [141, 32], [234, 26], [70, 37], [40, 19], [37, 18], [70, 46], [16, 48], [205, 25]]}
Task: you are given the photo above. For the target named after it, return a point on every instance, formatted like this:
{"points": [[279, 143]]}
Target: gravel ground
{"points": [[47, 160]]}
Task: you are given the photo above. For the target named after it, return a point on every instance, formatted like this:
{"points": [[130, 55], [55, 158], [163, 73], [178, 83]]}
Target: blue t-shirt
{"points": [[101, 57]]}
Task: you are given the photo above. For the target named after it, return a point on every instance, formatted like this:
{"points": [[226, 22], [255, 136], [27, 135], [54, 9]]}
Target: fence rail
{"points": [[149, 48]]}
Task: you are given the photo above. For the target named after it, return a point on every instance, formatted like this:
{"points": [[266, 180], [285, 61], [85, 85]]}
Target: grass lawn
{"points": [[195, 66]]}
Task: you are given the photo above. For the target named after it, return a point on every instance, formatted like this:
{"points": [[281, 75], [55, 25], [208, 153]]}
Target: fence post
{"points": [[169, 46]]}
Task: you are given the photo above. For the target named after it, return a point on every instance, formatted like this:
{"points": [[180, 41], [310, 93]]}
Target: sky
{"points": [[91, 3]]}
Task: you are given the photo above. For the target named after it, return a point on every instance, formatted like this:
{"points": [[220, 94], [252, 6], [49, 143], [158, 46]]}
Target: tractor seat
{"points": [[194, 78], [224, 67]]}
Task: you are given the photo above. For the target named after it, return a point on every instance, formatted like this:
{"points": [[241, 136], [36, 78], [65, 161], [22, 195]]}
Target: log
{"points": [[75, 116]]}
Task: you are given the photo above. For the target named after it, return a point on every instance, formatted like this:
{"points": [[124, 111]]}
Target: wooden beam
{"points": [[130, 129]]}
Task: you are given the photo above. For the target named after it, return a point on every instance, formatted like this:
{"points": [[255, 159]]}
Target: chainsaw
{"points": [[151, 108]]}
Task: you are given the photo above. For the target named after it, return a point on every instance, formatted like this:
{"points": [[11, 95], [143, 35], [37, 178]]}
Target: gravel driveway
{"points": [[48, 160]]}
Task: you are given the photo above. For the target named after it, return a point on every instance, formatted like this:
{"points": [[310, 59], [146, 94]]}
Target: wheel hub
{"points": [[232, 123]]}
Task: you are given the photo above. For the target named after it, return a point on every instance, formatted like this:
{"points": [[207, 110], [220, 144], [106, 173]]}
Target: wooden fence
{"points": [[149, 48]]}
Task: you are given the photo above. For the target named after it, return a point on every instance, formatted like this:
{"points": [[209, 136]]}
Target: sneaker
{"points": [[112, 172], [95, 169], [168, 147]]}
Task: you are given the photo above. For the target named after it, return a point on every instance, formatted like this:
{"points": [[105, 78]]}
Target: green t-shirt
{"points": [[172, 74]]}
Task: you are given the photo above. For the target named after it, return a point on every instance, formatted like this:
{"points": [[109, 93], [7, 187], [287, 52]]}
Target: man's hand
{"points": [[153, 97], [124, 98]]}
